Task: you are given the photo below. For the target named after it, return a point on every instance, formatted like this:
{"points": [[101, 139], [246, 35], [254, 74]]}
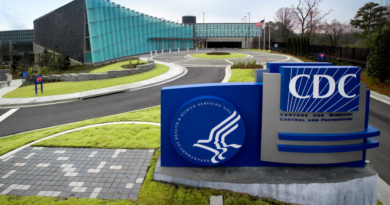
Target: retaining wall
{"points": [[100, 76]]}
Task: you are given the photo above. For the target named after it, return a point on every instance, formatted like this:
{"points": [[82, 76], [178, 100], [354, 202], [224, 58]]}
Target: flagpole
{"points": [[259, 36], [264, 32], [269, 36]]}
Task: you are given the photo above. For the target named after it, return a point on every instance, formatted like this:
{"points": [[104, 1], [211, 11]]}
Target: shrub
{"points": [[378, 61]]}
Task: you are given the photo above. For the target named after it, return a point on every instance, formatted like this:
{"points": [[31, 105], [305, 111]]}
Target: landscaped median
{"points": [[116, 66], [58, 88], [120, 137]]}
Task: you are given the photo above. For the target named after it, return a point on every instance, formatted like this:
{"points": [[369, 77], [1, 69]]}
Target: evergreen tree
{"points": [[299, 46], [45, 57], [371, 18], [288, 45], [378, 61], [295, 45], [25, 61], [292, 46]]}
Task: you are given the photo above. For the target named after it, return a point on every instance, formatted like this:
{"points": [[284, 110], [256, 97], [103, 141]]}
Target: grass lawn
{"points": [[116, 66], [10, 143], [121, 136], [242, 75], [151, 192], [59, 88], [257, 50], [232, 55]]}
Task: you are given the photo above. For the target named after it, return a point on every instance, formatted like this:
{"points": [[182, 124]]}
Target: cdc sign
{"points": [[299, 115], [327, 89]]}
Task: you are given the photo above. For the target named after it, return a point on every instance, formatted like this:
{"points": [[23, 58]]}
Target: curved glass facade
{"points": [[226, 30], [116, 32]]}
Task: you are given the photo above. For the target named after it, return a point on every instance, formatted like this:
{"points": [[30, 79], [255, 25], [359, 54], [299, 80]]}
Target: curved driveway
{"points": [[199, 71], [26, 119]]}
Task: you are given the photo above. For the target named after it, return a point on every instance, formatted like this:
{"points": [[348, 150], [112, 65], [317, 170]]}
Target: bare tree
{"points": [[308, 15], [285, 21], [334, 30], [349, 32]]}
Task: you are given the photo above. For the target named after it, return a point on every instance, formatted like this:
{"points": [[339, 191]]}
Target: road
{"points": [[26, 119], [379, 157]]}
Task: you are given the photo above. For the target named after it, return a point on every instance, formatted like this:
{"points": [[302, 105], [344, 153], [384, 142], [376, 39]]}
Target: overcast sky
{"points": [[20, 14]]}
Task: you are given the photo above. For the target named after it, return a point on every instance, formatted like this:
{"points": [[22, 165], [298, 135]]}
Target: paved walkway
{"points": [[175, 71], [74, 172]]}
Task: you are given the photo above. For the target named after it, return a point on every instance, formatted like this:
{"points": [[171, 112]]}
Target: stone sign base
{"points": [[297, 185]]}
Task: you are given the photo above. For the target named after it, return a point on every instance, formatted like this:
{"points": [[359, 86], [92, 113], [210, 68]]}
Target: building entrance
{"points": [[224, 44]]}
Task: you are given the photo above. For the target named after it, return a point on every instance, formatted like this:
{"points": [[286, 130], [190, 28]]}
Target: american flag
{"points": [[261, 23]]}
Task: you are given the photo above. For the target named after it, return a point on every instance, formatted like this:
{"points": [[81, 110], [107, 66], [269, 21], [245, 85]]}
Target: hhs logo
{"points": [[320, 89], [207, 131]]}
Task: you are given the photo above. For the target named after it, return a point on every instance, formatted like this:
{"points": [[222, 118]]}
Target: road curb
{"points": [[104, 91], [228, 74], [380, 97]]}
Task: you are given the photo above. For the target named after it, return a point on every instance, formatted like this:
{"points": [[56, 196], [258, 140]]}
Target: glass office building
{"points": [[22, 40], [226, 30], [113, 31], [97, 31]]}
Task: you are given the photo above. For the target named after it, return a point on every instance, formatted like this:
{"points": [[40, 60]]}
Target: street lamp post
{"points": [[249, 47], [244, 26]]}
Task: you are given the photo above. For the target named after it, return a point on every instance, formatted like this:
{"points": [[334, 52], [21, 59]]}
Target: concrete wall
{"points": [[3, 77], [63, 27], [99, 76]]}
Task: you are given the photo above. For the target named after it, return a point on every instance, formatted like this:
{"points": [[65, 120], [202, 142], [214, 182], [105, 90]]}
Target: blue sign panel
{"points": [[320, 89], [321, 56], [38, 80], [207, 131], [274, 66], [243, 124], [25, 75]]}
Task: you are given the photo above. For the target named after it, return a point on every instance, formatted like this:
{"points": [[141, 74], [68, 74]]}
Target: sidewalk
{"points": [[174, 72]]}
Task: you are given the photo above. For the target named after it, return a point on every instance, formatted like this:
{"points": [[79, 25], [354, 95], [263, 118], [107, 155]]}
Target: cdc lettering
{"points": [[316, 85]]}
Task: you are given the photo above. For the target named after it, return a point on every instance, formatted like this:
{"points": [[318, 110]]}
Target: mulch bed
{"points": [[250, 67], [218, 53], [132, 66]]}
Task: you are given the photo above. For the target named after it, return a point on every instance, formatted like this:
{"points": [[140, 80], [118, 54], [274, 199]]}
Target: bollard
{"points": [[9, 79], [196, 49], [162, 51], [178, 50], [169, 50], [187, 49], [156, 52], [151, 54]]}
